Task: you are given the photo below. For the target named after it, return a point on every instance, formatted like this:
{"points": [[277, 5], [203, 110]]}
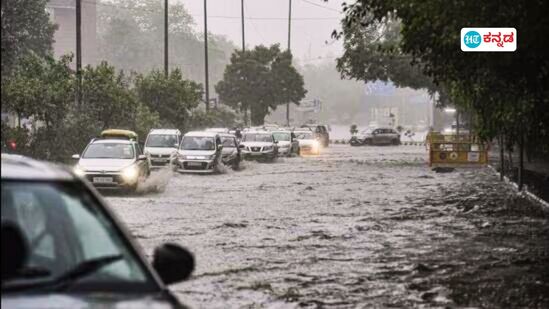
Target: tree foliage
{"points": [[260, 80], [172, 97], [26, 28], [508, 92]]}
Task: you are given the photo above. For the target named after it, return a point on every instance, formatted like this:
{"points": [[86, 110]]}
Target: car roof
{"points": [[164, 131], [217, 130], [227, 135], [111, 140], [18, 167], [202, 133], [258, 132]]}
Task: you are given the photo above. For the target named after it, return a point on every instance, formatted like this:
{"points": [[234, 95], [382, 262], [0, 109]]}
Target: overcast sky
{"points": [[267, 23]]}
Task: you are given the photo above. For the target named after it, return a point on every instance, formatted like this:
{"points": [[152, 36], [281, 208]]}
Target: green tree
{"points": [[508, 92], [106, 99], [260, 80], [26, 28], [172, 98]]}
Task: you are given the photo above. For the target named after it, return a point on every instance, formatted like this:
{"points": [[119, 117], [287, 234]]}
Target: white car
{"points": [[113, 163], [287, 144], [161, 146], [259, 145], [308, 144], [200, 152]]}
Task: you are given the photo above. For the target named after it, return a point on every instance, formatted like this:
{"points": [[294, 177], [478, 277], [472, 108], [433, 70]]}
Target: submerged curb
{"points": [[544, 205]]}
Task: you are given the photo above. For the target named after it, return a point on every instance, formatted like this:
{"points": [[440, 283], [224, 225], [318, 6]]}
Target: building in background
{"points": [[63, 13]]}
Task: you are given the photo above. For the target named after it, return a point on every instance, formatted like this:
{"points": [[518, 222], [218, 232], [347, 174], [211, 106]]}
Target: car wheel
{"points": [[396, 142]]}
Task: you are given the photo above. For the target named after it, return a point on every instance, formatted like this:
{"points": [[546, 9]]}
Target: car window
{"points": [[162, 140], [228, 142], [257, 137], [64, 227], [282, 136], [109, 151], [198, 143]]}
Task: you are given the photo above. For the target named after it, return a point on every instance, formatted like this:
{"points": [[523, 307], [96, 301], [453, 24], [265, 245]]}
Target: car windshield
{"points": [[198, 143], [109, 151], [304, 135], [65, 227], [228, 141], [257, 137], [162, 140], [282, 136]]}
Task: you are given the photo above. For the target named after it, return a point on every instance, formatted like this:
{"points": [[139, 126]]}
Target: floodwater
{"points": [[356, 227]]}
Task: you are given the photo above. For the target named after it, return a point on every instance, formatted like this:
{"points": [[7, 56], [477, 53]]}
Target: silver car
{"points": [[200, 152], [62, 247], [378, 136], [287, 143], [259, 145], [111, 163], [230, 152]]}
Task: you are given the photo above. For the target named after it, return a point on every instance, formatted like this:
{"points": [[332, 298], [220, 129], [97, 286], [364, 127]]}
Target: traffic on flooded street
{"points": [[353, 227], [274, 154]]}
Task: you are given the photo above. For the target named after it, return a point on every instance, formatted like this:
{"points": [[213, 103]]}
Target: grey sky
{"points": [[266, 23]]}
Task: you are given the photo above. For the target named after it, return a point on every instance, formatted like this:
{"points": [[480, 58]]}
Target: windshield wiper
{"points": [[64, 281]]}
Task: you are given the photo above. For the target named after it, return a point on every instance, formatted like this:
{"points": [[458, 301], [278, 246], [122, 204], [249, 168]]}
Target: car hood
{"points": [[160, 150], [256, 144], [196, 152], [284, 143], [109, 165], [85, 301]]}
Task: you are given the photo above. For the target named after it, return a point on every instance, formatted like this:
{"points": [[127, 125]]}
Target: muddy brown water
{"points": [[356, 227]]}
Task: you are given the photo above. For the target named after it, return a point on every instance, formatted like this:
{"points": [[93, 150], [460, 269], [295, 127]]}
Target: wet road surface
{"points": [[364, 227]]}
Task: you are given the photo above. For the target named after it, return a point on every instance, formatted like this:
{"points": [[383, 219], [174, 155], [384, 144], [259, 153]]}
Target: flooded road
{"points": [[364, 227]]}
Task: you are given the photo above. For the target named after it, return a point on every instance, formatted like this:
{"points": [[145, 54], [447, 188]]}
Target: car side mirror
{"points": [[276, 142], [241, 146], [176, 145], [142, 157], [76, 156], [173, 263], [219, 147]]}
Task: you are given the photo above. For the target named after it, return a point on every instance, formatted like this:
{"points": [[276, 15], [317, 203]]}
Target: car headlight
{"points": [[130, 173], [79, 171], [267, 148]]}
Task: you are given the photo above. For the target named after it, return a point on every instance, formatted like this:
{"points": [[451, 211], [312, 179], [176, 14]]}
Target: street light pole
{"points": [[166, 67], [289, 44], [207, 78], [78, 52], [242, 15]]}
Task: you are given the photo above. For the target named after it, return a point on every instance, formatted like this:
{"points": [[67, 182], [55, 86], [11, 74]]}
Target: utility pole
{"points": [[243, 49], [207, 81], [79, 52], [166, 67], [289, 41], [242, 15]]}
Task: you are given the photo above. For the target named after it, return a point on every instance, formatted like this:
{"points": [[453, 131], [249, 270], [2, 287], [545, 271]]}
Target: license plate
{"points": [[194, 163], [102, 179], [159, 160]]}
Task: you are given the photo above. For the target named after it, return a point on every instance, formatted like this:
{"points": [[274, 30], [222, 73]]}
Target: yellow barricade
{"points": [[456, 150]]}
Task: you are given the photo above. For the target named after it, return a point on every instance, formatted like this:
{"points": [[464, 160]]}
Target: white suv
{"points": [[259, 145], [161, 146]]}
